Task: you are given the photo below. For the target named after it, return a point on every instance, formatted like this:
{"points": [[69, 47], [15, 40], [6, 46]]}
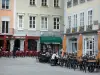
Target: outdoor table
{"points": [[91, 65]]}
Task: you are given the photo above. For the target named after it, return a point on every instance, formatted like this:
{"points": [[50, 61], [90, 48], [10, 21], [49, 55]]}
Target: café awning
{"points": [[50, 39]]}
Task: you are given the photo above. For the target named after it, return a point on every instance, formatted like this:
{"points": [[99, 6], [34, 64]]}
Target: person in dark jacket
{"points": [[14, 52]]}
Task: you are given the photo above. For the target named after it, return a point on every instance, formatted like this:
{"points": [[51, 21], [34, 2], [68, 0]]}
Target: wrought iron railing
{"points": [[68, 30], [81, 29], [89, 27], [82, 1], [74, 29]]}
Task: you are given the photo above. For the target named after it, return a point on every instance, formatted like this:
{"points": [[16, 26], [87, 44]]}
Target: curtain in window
{"points": [[98, 56]]}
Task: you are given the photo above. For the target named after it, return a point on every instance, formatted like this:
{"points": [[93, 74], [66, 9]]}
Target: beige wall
{"points": [[7, 13], [22, 6]]}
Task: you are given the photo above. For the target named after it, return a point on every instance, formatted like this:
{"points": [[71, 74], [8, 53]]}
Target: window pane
{"points": [[30, 18], [90, 46], [7, 23], [3, 26], [3, 3], [31, 22], [57, 26], [7, 4], [20, 21], [54, 27], [57, 19], [30, 26], [33, 26], [54, 19]]}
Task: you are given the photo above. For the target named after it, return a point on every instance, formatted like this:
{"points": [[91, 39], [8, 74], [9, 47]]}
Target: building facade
{"points": [[6, 22], [37, 18], [82, 18]]}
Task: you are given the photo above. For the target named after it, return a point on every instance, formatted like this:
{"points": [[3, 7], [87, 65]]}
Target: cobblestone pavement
{"points": [[29, 66]]}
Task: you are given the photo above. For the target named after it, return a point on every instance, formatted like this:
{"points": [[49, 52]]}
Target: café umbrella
{"points": [[98, 55], [80, 46], [64, 45]]}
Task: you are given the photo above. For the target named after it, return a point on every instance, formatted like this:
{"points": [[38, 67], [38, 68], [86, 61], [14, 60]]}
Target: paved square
{"points": [[29, 66]]}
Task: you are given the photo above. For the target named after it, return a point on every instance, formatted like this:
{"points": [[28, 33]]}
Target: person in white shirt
{"points": [[54, 58]]}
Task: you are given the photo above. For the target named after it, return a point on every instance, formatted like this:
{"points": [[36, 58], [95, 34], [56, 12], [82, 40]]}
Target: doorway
{"points": [[17, 44]]}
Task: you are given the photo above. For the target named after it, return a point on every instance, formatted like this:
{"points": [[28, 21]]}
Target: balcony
{"points": [[74, 29], [81, 29], [89, 27], [68, 30], [89, 0], [9, 31]]}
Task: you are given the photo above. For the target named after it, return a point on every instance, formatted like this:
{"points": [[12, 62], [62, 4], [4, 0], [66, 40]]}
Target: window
{"points": [[20, 21], [44, 2], [82, 19], [56, 3], [69, 21], [75, 2], [5, 25], [69, 3], [32, 2], [5, 4], [56, 23], [89, 46], [31, 22], [75, 20], [74, 46], [82, 1], [44, 23], [90, 15]]}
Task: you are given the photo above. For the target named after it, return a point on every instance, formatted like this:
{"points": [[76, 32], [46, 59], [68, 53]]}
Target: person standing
{"points": [[14, 52]]}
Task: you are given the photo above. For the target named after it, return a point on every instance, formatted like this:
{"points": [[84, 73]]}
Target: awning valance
{"points": [[50, 39]]}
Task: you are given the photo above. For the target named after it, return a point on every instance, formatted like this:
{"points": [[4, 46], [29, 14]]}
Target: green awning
{"points": [[50, 39]]}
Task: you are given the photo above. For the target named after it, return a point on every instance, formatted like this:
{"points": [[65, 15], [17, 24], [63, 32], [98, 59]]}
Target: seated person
{"points": [[54, 58]]}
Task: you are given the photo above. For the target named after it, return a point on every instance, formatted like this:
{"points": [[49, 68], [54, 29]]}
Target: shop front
{"points": [[4, 43], [50, 43]]}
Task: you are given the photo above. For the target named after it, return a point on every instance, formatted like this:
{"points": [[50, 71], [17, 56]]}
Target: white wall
{"points": [[84, 7]]}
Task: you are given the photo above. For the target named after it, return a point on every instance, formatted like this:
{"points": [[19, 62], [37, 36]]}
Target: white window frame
{"points": [[73, 42], [87, 49], [75, 20], [43, 3], [5, 5], [82, 15], [90, 20], [21, 28], [69, 21], [32, 2], [56, 4], [32, 23], [44, 29], [56, 24]]}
